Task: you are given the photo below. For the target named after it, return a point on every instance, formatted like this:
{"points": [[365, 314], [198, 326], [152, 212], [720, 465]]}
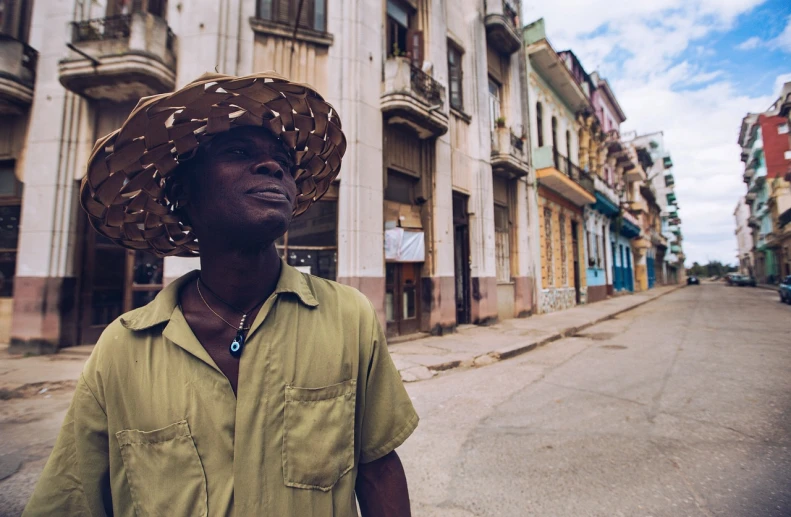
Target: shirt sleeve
{"points": [[388, 417], [76, 478]]}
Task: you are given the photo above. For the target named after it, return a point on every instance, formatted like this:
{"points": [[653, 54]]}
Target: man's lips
{"points": [[269, 193]]}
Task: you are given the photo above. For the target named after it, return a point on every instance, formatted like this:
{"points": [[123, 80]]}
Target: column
{"points": [[354, 88]]}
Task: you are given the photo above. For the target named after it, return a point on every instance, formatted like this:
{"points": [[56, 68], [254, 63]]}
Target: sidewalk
{"points": [[473, 346]]}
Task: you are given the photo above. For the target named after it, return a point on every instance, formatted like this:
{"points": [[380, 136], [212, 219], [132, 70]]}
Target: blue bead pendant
{"points": [[237, 346]]}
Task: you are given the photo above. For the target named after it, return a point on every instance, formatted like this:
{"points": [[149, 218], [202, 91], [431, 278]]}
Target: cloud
{"points": [[750, 43], [648, 50], [783, 40]]}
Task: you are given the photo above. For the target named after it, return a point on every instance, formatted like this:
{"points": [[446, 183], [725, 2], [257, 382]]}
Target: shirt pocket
{"points": [[164, 471], [318, 435]]}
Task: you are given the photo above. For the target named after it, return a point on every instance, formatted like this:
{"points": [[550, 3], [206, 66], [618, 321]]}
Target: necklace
{"points": [[237, 345]]}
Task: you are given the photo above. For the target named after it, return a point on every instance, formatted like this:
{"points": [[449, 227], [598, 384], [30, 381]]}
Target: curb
{"points": [[408, 375]]}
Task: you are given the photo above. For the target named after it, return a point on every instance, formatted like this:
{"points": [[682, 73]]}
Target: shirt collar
{"points": [[161, 308]]}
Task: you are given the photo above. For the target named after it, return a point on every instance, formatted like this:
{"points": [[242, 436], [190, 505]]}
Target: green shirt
{"points": [[155, 429]]}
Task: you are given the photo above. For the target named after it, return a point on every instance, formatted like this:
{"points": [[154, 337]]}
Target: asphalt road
{"points": [[678, 408]]}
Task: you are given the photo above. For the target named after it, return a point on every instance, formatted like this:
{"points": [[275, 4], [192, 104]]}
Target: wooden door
{"points": [[402, 298], [461, 259], [575, 250]]}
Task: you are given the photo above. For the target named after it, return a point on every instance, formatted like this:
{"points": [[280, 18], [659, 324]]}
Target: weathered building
{"points": [[429, 217], [556, 98]]}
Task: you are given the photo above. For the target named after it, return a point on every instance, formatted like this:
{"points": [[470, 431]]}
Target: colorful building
{"points": [[557, 97], [765, 152]]}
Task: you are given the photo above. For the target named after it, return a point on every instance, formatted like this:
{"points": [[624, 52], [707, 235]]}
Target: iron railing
{"points": [[426, 86], [564, 165], [510, 14], [99, 29], [517, 143]]}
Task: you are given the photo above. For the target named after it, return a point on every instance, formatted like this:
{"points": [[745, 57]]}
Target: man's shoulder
{"points": [[329, 293]]}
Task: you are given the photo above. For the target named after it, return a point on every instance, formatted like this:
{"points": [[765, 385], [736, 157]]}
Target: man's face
{"points": [[240, 189]]}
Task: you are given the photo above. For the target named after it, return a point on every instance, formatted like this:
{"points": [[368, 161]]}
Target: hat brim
{"points": [[124, 189]]}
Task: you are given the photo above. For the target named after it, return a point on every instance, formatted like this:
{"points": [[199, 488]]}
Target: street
{"points": [[677, 408]]}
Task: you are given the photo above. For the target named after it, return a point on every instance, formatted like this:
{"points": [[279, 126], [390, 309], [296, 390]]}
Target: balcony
{"points": [[552, 69], [675, 248], [639, 207], [508, 154], [751, 196], [749, 172], [745, 156], [558, 173], [120, 58], [667, 162], [17, 75], [669, 180], [671, 198], [413, 98], [502, 24], [754, 222]]}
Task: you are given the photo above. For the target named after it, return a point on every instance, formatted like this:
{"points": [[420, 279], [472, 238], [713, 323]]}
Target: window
{"points": [[568, 152], [400, 188], [313, 16], [782, 129], [540, 123], [311, 243], [502, 238], [455, 77], [494, 102], [398, 24], [787, 155], [555, 142], [548, 246], [10, 211]]}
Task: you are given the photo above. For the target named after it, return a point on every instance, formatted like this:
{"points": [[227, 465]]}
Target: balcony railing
{"points": [[426, 86], [784, 219], [110, 28], [517, 143], [510, 14], [99, 29], [17, 75], [564, 165]]}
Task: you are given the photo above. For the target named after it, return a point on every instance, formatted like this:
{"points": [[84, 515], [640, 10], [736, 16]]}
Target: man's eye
{"points": [[238, 151]]}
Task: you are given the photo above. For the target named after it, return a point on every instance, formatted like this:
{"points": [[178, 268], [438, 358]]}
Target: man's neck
{"points": [[241, 278]]}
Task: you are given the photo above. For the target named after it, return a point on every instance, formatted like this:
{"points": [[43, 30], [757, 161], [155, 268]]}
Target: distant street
{"points": [[679, 408]]}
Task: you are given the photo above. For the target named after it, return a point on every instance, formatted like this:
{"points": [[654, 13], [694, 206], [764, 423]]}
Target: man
{"points": [[247, 388]]}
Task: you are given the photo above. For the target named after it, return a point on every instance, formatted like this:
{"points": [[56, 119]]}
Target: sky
{"points": [[692, 69]]}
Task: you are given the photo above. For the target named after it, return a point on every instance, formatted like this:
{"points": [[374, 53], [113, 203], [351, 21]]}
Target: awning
{"points": [[604, 205]]}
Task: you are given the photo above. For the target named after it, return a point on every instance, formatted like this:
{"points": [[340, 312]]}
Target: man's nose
{"points": [[269, 168]]}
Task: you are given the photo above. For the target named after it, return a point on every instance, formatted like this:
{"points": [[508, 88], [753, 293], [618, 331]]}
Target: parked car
{"points": [[729, 278], [742, 280], [785, 290], [693, 280]]}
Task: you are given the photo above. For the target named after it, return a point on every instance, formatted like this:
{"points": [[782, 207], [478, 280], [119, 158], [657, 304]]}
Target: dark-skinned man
{"points": [[246, 388]]}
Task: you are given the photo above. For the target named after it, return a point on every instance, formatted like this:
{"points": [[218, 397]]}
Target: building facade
{"points": [[556, 99], [429, 217], [18, 61], [765, 152], [744, 237]]}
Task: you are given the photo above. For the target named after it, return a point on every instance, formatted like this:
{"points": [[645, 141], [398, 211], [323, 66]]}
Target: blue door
{"points": [[629, 272], [651, 272]]}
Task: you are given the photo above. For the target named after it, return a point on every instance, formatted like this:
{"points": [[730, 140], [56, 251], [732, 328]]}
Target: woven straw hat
{"points": [[125, 189]]}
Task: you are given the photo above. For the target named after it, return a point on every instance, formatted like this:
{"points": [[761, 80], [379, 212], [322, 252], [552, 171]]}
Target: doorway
{"points": [[113, 281], [402, 298], [575, 250], [461, 259]]}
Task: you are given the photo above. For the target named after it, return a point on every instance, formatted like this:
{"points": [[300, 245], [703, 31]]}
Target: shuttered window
{"points": [[313, 15], [502, 243], [455, 75]]}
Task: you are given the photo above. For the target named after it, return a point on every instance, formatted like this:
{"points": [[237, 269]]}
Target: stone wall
{"points": [[557, 299]]}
